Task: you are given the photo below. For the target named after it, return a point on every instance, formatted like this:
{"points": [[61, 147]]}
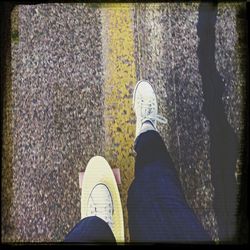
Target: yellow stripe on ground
{"points": [[120, 79]]}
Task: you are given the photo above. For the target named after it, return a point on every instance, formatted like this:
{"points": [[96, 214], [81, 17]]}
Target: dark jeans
{"points": [[157, 209], [91, 229]]}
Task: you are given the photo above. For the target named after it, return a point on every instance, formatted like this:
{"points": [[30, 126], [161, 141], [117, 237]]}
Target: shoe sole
{"points": [[98, 171]]}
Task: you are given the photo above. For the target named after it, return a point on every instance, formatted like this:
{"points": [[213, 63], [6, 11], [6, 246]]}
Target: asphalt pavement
{"points": [[73, 69]]}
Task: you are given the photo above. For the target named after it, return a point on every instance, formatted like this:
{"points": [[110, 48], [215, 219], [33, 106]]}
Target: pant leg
{"points": [[89, 230], [157, 209]]}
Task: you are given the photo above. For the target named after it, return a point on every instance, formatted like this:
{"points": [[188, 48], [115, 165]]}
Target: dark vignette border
{"points": [[5, 44]]}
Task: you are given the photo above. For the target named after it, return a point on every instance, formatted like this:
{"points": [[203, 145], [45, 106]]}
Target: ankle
{"points": [[147, 125]]}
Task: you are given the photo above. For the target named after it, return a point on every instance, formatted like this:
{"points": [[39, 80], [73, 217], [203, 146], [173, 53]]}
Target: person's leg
{"points": [[157, 209], [91, 229]]}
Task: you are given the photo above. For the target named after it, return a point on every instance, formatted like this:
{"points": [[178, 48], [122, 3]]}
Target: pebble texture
{"points": [[231, 64], [167, 41], [120, 79], [61, 107], [228, 55], [57, 116]]}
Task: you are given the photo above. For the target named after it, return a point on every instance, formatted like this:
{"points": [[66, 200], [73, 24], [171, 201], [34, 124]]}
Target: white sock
{"points": [[147, 125]]}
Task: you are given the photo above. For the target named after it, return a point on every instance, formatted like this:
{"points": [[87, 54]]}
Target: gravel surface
{"points": [[120, 79], [56, 105], [170, 49], [57, 116], [228, 60]]}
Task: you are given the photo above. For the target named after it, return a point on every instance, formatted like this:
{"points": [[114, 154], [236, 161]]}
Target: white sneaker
{"points": [[100, 204], [145, 106]]}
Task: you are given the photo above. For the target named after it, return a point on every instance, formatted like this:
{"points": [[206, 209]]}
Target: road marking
{"points": [[120, 79]]}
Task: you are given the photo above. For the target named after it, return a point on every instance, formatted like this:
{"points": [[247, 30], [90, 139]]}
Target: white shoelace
{"points": [[102, 211], [98, 206], [147, 109]]}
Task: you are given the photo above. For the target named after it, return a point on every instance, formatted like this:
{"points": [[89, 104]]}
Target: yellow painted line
{"points": [[120, 79]]}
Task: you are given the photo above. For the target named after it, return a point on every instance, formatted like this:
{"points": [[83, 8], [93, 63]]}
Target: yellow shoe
{"points": [[100, 196]]}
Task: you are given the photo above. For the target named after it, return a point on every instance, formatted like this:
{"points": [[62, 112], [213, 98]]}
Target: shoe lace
{"points": [[148, 111], [103, 210]]}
